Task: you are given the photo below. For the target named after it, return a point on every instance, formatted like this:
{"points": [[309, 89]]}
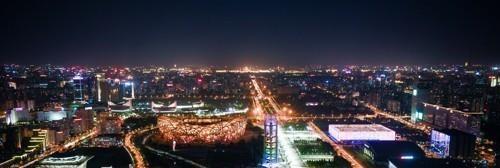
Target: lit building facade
{"points": [[78, 86], [361, 132], [83, 120], [17, 115], [447, 118], [65, 162], [451, 143], [51, 115], [270, 140], [198, 129]]}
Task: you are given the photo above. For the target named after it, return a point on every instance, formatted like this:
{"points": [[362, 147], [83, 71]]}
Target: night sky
{"points": [[238, 32]]}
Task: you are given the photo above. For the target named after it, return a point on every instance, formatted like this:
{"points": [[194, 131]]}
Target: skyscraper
{"points": [[78, 86], [99, 78], [419, 95]]}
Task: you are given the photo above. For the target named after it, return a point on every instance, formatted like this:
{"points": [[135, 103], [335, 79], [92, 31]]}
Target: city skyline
{"points": [[250, 83], [318, 116]]}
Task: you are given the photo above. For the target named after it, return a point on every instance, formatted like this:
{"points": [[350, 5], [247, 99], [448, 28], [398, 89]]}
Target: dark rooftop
{"points": [[384, 150], [430, 163]]}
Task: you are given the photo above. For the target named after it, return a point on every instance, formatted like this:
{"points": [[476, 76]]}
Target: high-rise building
{"points": [[89, 93], [26, 104], [10, 137], [394, 106], [99, 82], [78, 86], [494, 81], [56, 136], [83, 120], [127, 90], [40, 139], [419, 95]]}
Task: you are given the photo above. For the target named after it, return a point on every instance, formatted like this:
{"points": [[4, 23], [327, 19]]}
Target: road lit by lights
{"points": [[137, 157], [338, 148], [289, 153], [74, 142], [81, 138], [397, 118]]}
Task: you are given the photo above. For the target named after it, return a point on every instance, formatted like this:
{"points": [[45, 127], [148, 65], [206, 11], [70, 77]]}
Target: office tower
{"points": [[78, 86]]}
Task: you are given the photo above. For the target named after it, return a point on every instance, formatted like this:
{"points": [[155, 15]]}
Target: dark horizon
{"points": [[254, 66], [236, 33]]}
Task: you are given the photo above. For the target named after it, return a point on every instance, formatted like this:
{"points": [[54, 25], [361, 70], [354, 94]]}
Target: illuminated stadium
{"points": [[201, 124], [357, 132]]}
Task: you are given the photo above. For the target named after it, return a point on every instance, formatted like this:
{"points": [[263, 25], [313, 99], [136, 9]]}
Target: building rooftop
{"points": [[395, 150], [454, 132], [430, 163], [452, 110], [361, 128], [73, 160]]}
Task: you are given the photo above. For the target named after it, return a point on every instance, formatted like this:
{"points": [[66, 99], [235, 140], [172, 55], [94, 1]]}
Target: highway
{"points": [[338, 148], [137, 158], [289, 154], [289, 151], [397, 118]]}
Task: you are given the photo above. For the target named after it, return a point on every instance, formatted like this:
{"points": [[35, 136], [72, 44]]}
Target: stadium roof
{"points": [[361, 127]]}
